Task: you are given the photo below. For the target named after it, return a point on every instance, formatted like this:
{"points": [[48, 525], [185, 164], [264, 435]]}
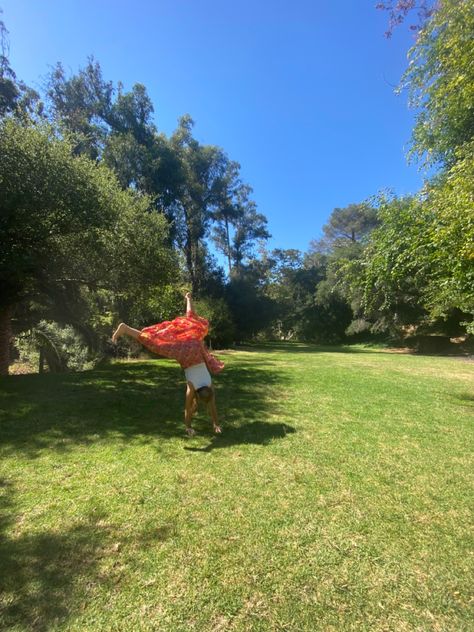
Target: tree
{"points": [[291, 284], [393, 279], [440, 82], [200, 196], [338, 254], [419, 266], [195, 186], [16, 98], [66, 225], [139, 155], [250, 227], [82, 106], [449, 216], [418, 269], [398, 11], [109, 123], [252, 310], [346, 226], [228, 211]]}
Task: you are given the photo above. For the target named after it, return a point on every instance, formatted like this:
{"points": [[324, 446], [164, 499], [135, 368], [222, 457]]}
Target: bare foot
{"points": [[118, 332]]}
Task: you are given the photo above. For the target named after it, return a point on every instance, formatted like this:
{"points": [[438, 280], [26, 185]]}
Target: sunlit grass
{"points": [[338, 497]]}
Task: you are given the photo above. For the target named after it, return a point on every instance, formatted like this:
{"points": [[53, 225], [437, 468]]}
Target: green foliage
{"points": [[440, 81], [81, 106], [221, 325], [348, 225], [393, 278], [62, 347], [449, 208], [292, 287], [252, 310], [115, 264], [26, 351], [339, 255], [210, 192], [53, 207], [70, 231], [419, 266], [249, 227], [196, 187], [16, 98], [66, 220], [85, 247], [144, 305]]}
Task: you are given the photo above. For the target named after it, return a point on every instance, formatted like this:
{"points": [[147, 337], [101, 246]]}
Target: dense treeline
{"points": [[105, 218]]}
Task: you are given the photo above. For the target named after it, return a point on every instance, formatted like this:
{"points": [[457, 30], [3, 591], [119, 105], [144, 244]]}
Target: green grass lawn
{"points": [[338, 498]]}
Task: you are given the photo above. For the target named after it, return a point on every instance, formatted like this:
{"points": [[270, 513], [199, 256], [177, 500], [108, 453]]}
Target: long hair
{"points": [[205, 394]]}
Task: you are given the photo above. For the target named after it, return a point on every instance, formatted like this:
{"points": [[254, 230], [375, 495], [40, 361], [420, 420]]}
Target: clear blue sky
{"points": [[301, 93]]}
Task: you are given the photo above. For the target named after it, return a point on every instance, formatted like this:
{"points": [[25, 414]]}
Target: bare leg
{"points": [[125, 330]]}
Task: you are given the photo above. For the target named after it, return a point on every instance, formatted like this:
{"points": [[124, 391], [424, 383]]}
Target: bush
{"points": [[62, 348], [221, 325]]}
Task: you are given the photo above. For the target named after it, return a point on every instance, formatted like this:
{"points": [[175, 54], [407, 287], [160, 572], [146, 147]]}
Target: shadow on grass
{"points": [[132, 401], [467, 399], [355, 348], [48, 577], [258, 432], [303, 347], [38, 581]]}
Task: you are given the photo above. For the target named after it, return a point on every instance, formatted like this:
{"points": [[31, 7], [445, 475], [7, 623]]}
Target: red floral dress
{"points": [[181, 339]]}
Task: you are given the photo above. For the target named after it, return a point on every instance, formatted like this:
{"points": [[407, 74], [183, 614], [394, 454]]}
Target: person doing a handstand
{"points": [[182, 340]]}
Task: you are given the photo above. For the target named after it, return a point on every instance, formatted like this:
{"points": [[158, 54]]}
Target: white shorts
{"points": [[198, 375]]}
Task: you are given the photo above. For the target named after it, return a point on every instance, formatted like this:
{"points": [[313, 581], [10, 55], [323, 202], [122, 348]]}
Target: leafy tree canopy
{"points": [[440, 82], [66, 224]]}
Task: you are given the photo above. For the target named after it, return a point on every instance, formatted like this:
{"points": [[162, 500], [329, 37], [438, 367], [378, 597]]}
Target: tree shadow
{"points": [[306, 347], [48, 577], [38, 582], [138, 400], [258, 432], [467, 399]]}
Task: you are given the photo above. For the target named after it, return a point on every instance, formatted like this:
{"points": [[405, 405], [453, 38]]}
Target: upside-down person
{"points": [[182, 339]]}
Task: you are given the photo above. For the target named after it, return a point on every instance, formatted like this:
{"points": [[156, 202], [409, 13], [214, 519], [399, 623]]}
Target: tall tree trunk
{"points": [[227, 235], [188, 254], [41, 360], [5, 338], [195, 276]]}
